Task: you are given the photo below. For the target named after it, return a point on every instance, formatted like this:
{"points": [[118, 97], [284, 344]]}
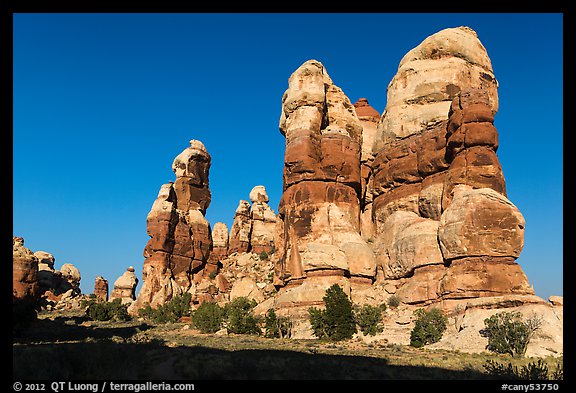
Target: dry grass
{"points": [[67, 346]]}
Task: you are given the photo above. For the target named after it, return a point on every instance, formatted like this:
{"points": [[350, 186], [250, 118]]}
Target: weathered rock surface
{"points": [[480, 222], [180, 237], [319, 230], [429, 77], [125, 287], [219, 244], [56, 281], [101, 288], [369, 118], [25, 287], [254, 225], [441, 217]]}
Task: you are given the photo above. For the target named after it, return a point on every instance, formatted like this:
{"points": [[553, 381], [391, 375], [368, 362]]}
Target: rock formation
{"points": [[254, 225], [52, 282], [101, 288], [125, 287], [219, 244], [411, 203], [180, 236], [25, 288], [440, 210], [318, 231], [241, 229]]}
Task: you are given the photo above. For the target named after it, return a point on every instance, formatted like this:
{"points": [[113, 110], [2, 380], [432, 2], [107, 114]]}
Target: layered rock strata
{"points": [[254, 225], [180, 236], [318, 229], [440, 210]]}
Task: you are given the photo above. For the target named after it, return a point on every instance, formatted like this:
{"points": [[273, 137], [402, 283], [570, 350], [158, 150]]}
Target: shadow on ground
{"points": [[45, 351]]}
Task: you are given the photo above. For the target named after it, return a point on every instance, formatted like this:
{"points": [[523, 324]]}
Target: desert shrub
{"points": [[239, 317], [212, 275], [394, 301], [532, 371], [263, 256], [107, 311], [279, 327], [507, 332], [171, 311], [336, 321], [208, 317], [428, 328], [368, 318]]}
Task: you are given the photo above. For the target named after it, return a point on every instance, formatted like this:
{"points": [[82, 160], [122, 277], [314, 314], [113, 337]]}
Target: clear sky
{"points": [[103, 103]]}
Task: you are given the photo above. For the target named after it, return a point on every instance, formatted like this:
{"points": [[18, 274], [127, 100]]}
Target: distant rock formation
{"points": [[254, 225], [180, 236], [101, 288], [125, 287], [54, 282], [25, 288], [36, 283], [219, 245]]}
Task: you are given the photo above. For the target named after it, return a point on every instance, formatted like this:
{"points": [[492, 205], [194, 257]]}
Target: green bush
{"points": [[208, 317], [532, 371], [368, 318], [394, 301], [279, 327], [239, 317], [170, 311], [263, 256], [107, 311], [429, 327], [507, 332], [336, 321]]}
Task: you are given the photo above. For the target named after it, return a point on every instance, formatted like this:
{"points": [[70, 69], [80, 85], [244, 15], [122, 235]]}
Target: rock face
{"points": [[25, 288], [180, 237], [254, 225], [414, 200], [369, 118], [101, 288], [219, 243], [55, 281], [125, 287], [318, 232], [441, 216], [429, 77]]}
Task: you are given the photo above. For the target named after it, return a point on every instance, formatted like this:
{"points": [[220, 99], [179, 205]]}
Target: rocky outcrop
{"points": [[254, 225], [241, 228], [180, 236], [125, 287], [55, 282], [318, 233], [442, 221], [219, 244], [429, 77], [25, 288], [101, 288]]}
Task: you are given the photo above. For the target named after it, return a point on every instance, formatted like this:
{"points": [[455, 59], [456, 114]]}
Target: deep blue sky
{"points": [[103, 103]]}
